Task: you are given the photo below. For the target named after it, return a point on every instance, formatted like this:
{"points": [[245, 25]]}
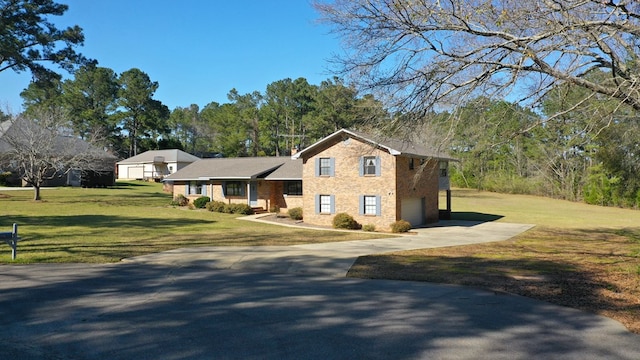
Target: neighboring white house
{"points": [[154, 164]]}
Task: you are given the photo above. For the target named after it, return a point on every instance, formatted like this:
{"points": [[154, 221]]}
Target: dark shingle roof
{"points": [[240, 168], [169, 155], [62, 145], [393, 146], [290, 170]]}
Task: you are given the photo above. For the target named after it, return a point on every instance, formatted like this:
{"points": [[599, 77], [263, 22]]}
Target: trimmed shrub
{"points": [[201, 202], [242, 209], [295, 213], [221, 207], [216, 206], [345, 221], [369, 227], [180, 200], [400, 226]]}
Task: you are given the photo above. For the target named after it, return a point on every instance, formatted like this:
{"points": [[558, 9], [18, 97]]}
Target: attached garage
{"points": [[412, 210]]}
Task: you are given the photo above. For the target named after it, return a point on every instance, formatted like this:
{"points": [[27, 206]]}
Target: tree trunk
{"points": [[36, 193]]}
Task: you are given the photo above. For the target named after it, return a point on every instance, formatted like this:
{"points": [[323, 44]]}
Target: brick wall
{"points": [[277, 198], [420, 182], [269, 194], [347, 185]]}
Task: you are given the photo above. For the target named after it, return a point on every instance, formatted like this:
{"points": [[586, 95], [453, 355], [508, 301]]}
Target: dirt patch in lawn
{"points": [[593, 270]]}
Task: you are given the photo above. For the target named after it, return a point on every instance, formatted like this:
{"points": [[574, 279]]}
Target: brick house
{"points": [[261, 182], [376, 182]]}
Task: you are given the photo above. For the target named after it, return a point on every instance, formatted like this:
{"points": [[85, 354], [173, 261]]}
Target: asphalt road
{"points": [[152, 311]]}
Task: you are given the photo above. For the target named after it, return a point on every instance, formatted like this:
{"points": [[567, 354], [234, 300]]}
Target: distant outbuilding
{"points": [[154, 164]]}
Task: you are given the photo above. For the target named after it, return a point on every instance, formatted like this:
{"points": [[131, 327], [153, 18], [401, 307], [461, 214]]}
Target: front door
{"points": [[253, 194]]}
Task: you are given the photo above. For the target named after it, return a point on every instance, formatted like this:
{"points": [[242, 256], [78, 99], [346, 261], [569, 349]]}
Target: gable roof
{"points": [[395, 147], [245, 168], [64, 145], [290, 170], [4, 127], [169, 155]]}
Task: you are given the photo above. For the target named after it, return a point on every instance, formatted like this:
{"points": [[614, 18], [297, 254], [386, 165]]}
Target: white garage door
{"points": [[136, 172], [413, 211]]}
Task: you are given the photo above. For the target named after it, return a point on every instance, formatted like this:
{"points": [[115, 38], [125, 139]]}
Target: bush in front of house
{"points": [[180, 200], [400, 226], [221, 207], [345, 221], [201, 202], [242, 209], [369, 227], [216, 206], [295, 213]]}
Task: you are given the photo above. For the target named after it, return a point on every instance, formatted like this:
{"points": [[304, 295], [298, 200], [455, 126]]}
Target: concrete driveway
{"points": [[335, 258], [207, 305]]}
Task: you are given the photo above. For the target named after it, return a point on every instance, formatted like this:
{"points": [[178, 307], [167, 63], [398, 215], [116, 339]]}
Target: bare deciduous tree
{"points": [[429, 53], [39, 149]]}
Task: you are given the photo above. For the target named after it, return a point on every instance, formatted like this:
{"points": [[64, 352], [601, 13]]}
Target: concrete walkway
{"points": [[334, 258]]}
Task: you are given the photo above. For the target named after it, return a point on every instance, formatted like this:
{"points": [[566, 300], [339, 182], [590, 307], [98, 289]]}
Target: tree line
{"points": [[570, 149], [288, 114]]}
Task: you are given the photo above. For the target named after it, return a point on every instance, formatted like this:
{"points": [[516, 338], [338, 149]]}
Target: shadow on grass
{"points": [[474, 216], [137, 200], [552, 281], [104, 222], [129, 184]]}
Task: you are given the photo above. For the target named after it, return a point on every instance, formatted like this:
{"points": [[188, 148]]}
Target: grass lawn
{"points": [[76, 225], [578, 255]]}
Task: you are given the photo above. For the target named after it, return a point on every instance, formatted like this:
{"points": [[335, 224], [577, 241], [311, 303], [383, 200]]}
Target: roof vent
{"points": [[158, 159]]}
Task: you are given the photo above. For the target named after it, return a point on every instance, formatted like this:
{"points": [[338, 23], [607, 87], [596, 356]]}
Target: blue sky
{"points": [[197, 50]]}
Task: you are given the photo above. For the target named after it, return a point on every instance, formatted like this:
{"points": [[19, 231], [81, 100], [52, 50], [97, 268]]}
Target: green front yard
{"points": [[133, 218]]}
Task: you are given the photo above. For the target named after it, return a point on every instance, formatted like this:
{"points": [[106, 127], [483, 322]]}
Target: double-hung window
{"points": [[325, 204], [370, 166], [370, 205], [325, 166]]}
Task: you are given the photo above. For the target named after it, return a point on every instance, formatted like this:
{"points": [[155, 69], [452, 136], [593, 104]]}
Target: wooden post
{"points": [[14, 241]]}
